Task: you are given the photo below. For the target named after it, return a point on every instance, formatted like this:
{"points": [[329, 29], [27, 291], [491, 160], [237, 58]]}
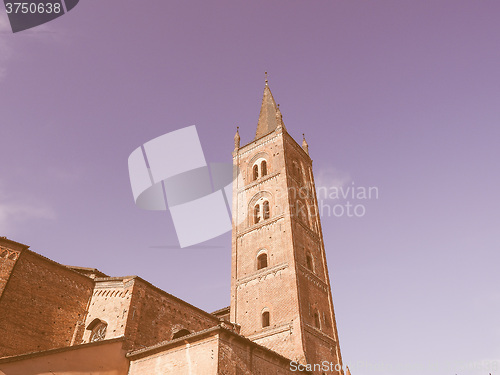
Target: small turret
{"points": [[279, 118], [305, 146], [237, 138]]}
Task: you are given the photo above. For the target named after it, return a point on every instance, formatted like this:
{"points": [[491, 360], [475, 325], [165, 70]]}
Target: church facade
{"points": [[58, 319]]}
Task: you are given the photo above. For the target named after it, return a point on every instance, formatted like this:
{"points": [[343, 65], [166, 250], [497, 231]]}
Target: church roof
{"points": [[87, 271], [224, 310], [267, 117]]}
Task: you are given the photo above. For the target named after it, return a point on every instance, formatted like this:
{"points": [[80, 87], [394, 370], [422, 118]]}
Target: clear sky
{"points": [[399, 95]]}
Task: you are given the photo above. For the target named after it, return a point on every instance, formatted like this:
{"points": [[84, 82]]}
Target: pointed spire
{"points": [[305, 146], [268, 113], [348, 372], [237, 138]]}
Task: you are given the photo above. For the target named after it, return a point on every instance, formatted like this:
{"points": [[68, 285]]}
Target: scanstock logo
{"points": [[170, 172], [26, 14]]}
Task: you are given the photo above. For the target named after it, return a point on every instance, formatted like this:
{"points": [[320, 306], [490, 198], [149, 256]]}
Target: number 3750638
{"points": [[33, 8]]}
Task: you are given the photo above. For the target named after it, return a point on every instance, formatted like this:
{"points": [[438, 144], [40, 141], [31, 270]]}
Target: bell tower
{"points": [[280, 288]]}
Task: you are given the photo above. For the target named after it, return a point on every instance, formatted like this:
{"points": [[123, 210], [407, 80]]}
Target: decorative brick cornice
{"points": [[260, 225], [320, 334], [258, 143], [313, 278], [271, 331], [111, 292], [261, 274], [259, 181]]}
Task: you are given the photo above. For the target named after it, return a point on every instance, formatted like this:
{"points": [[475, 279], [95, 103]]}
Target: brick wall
{"points": [[319, 349], [41, 305], [155, 316], [281, 340], [238, 356]]}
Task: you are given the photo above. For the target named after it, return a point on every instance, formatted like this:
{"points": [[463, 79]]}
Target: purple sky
{"points": [[400, 95]]}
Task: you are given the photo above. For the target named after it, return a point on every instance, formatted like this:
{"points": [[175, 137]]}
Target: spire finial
{"points": [[265, 79]]}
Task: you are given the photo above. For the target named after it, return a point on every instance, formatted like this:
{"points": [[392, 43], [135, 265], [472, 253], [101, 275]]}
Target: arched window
{"points": [[262, 261], [317, 323], [256, 214], [255, 172], [265, 209], [309, 262], [263, 168], [265, 319], [180, 333], [98, 330]]}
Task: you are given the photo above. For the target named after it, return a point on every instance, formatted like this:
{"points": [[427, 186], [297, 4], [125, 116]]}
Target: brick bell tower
{"points": [[280, 288]]}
